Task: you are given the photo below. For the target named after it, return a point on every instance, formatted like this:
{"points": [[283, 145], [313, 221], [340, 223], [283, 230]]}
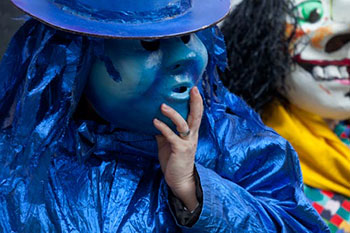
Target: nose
{"points": [[180, 57], [337, 42], [333, 35], [340, 26], [180, 65]]}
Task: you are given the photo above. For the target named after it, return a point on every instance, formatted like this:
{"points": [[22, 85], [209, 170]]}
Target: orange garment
{"points": [[324, 158]]}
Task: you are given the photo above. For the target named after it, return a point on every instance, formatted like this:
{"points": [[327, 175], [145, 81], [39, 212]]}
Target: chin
{"points": [[327, 98]]}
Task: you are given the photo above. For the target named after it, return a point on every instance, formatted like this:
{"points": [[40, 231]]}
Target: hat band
{"points": [[82, 10]]}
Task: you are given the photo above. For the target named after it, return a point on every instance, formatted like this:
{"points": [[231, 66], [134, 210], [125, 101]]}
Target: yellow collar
{"points": [[324, 158]]}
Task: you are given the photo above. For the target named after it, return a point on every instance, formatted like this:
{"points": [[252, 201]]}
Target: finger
{"points": [[163, 157], [166, 132], [196, 110], [176, 118]]}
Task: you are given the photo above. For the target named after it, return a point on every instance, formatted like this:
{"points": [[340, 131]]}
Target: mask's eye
{"points": [[186, 38], [309, 11], [150, 45]]}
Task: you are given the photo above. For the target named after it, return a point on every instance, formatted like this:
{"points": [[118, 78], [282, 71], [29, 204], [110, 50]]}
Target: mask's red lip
{"points": [[324, 71], [344, 62]]}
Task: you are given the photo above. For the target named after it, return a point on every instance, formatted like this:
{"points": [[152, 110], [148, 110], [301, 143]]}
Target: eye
{"points": [[186, 38], [309, 12], [150, 45]]}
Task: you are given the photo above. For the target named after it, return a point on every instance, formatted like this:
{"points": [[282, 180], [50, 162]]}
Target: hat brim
{"points": [[203, 14]]}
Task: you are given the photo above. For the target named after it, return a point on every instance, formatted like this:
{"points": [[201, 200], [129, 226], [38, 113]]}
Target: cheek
{"points": [[298, 34], [154, 60], [319, 36], [138, 72], [324, 89]]}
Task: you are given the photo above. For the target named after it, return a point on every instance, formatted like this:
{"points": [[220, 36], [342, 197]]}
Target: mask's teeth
{"points": [[332, 72], [344, 72], [318, 72]]}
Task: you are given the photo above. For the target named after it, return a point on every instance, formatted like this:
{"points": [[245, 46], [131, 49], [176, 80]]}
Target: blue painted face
{"points": [[152, 72]]}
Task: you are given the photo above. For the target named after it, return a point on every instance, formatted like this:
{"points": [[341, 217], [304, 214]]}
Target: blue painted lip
{"points": [[201, 15], [181, 92]]}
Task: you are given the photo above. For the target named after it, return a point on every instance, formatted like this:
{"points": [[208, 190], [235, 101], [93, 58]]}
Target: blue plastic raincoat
{"points": [[59, 173]]}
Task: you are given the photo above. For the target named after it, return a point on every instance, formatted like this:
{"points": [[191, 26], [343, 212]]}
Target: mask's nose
{"points": [[181, 65], [183, 57], [337, 42], [340, 26]]}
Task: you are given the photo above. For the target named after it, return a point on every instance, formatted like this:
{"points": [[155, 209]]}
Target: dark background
{"points": [[9, 23]]}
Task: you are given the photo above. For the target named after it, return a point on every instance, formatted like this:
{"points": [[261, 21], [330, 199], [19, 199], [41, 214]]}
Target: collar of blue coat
{"points": [[94, 142]]}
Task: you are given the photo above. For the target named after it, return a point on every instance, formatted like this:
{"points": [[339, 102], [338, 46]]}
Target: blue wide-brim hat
{"points": [[127, 18]]}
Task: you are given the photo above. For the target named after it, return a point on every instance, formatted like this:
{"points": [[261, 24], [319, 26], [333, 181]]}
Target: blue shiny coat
{"points": [[59, 173]]}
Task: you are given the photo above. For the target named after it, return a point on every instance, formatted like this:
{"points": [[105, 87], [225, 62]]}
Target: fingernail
{"points": [[165, 107], [156, 120], [195, 89]]}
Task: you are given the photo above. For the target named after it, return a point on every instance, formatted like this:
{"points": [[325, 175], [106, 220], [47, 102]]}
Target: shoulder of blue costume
{"points": [[244, 142], [229, 106], [244, 161]]}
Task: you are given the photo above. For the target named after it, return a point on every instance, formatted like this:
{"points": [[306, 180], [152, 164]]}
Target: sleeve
{"points": [[183, 216], [260, 191]]}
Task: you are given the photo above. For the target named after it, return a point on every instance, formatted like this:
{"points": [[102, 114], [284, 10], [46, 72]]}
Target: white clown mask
{"points": [[320, 82]]}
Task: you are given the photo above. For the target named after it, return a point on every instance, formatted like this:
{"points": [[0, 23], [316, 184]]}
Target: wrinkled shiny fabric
{"points": [[60, 173]]}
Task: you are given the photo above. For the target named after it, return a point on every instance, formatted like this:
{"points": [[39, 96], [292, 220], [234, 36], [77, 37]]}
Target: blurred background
{"points": [[9, 23]]}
